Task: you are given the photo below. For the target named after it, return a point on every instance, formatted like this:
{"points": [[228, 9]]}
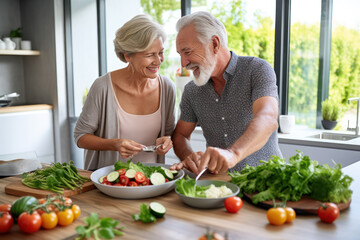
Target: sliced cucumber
{"points": [[101, 179], [168, 174], [157, 178], [111, 177], [157, 209], [130, 173], [174, 172]]}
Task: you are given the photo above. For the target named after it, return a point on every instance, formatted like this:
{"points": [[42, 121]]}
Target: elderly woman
{"points": [[131, 107]]}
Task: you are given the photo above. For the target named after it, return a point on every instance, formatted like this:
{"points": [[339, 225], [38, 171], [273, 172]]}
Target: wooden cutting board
{"points": [[18, 189], [305, 205]]}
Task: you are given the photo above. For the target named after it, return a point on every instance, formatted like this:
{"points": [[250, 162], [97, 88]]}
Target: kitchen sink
{"points": [[334, 136]]}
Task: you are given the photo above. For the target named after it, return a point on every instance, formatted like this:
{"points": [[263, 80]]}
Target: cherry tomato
{"points": [[276, 216], [123, 180], [76, 211], [67, 201], [132, 184], [49, 220], [290, 214], [6, 222], [166, 180], [121, 171], [139, 177], [233, 204], [29, 223], [41, 200], [65, 217], [328, 212], [5, 207], [118, 184], [145, 183]]}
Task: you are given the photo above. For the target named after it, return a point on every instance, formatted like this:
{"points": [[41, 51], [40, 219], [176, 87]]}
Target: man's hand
{"points": [[191, 163], [218, 160]]}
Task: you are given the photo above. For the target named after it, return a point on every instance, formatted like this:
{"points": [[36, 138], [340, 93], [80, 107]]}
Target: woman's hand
{"points": [[127, 148], [166, 145]]}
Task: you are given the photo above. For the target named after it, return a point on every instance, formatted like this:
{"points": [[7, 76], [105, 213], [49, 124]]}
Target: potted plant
{"points": [[16, 36], [330, 114]]}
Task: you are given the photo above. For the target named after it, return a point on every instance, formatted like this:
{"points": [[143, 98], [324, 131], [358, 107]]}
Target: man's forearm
{"points": [[182, 146]]}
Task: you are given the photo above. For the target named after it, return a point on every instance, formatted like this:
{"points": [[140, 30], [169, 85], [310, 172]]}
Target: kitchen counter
{"points": [[25, 108], [183, 222]]}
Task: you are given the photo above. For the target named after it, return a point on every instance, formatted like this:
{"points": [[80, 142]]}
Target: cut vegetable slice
{"points": [[101, 179], [157, 178], [168, 174], [111, 177], [174, 172], [130, 173], [157, 209]]}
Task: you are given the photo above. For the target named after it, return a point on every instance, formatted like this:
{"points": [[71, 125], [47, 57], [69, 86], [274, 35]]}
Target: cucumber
{"points": [[130, 173], [168, 174], [174, 172], [111, 177], [21, 205], [157, 209], [101, 179], [157, 178]]}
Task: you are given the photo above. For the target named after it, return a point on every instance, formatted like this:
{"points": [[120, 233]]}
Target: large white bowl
{"points": [[198, 202], [134, 192]]}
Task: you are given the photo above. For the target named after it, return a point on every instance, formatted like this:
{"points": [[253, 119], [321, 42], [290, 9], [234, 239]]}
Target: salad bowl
{"points": [[138, 192], [199, 202]]}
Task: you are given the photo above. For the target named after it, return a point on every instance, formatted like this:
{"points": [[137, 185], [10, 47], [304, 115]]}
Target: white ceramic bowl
{"points": [[134, 192], [198, 202]]}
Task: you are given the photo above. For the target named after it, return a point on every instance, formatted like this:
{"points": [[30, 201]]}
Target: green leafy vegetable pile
{"points": [[139, 167], [276, 179], [187, 187], [55, 178], [104, 228]]}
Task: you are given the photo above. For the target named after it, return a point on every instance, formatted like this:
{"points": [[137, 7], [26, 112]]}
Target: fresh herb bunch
{"points": [[145, 215], [55, 178], [276, 179], [104, 228]]}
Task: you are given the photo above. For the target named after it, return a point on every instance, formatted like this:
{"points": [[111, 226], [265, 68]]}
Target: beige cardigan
{"points": [[99, 117]]}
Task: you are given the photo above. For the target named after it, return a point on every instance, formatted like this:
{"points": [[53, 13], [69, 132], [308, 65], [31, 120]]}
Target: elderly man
{"points": [[233, 98]]}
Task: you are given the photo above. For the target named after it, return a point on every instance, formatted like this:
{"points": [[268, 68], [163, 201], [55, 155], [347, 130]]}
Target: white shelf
{"points": [[20, 52]]}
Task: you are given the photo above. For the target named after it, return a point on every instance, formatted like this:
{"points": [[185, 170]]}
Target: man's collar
{"points": [[230, 69]]}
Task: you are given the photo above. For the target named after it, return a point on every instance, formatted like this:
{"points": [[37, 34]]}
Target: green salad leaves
{"points": [[138, 167], [276, 179], [187, 187]]}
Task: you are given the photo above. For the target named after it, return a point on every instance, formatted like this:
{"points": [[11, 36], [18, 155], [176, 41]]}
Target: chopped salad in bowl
{"points": [[135, 181]]}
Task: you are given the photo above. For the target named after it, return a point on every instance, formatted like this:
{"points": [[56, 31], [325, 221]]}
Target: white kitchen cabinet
{"points": [[28, 131]]}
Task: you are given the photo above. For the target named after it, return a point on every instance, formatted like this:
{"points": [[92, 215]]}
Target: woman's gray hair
{"points": [[137, 35], [206, 25]]}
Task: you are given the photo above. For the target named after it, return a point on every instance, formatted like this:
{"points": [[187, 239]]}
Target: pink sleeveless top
{"points": [[143, 129]]}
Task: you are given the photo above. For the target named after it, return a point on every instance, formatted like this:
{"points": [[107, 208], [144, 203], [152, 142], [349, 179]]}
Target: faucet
{"points": [[356, 128]]}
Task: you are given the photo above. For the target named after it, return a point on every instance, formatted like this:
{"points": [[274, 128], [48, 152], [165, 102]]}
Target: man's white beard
{"points": [[205, 71]]}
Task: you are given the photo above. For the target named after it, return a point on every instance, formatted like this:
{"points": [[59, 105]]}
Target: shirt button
{"points": [[216, 100], [225, 135], [222, 118]]}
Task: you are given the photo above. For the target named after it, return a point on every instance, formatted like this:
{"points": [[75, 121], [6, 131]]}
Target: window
{"points": [[304, 61], [249, 25], [345, 59]]}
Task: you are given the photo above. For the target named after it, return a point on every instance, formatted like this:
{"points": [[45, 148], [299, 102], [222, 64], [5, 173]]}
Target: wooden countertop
{"points": [[183, 222], [25, 108]]}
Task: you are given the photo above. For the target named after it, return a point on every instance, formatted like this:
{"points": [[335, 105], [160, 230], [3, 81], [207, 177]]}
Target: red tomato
{"points": [[145, 183], [233, 204], [6, 222], [132, 184], [139, 177], [123, 180], [5, 207], [29, 223], [166, 180], [121, 171], [328, 212]]}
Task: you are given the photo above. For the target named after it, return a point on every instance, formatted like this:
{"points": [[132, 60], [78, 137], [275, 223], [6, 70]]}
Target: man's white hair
{"points": [[206, 25]]}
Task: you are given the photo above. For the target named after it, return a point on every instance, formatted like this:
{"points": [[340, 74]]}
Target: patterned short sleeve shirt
{"points": [[224, 118]]}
